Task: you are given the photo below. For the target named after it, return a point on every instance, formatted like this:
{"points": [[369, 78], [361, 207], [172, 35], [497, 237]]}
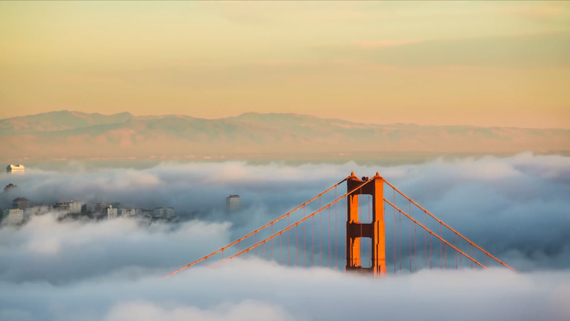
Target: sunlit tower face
{"points": [[357, 231]]}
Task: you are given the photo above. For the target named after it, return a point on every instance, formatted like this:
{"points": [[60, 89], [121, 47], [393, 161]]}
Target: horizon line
{"points": [[277, 113]]}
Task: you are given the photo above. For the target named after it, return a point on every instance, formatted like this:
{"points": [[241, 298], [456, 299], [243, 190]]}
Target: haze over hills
{"points": [[75, 135]]}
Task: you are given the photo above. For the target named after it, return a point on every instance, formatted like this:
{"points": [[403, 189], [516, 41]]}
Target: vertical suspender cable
{"points": [[430, 250], [297, 243], [410, 234], [287, 241], [440, 248], [415, 249], [399, 233], [425, 240], [345, 214], [313, 220], [394, 237], [329, 236], [304, 237], [320, 240], [471, 255], [335, 234], [361, 232], [369, 244], [320, 236]]}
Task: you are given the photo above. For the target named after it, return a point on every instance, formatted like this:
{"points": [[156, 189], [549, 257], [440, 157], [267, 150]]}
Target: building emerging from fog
{"points": [[68, 207], [129, 212], [112, 212], [15, 168], [21, 212], [13, 216], [233, 203], [10, 187], [21, 203], [38, 210], [163, 212]]}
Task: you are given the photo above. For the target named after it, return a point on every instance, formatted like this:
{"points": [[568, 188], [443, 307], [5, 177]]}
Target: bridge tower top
{"points": [[357, 230]]}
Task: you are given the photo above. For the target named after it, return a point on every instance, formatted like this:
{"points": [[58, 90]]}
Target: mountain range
{"points": [[76, 135]]}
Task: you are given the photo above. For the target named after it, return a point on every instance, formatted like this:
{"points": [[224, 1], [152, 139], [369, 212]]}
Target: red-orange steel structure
{"points": [[356, 231]]}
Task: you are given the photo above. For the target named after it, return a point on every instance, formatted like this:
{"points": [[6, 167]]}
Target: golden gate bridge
{"points": [[362, 216]]}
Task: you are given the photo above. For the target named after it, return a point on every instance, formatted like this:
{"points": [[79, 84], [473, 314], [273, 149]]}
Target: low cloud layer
{"points": [[255, 290], [45, 250], [515, 207]]}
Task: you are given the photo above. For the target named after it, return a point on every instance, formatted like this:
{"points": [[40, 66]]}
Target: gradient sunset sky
{"points": [[441, 63]]}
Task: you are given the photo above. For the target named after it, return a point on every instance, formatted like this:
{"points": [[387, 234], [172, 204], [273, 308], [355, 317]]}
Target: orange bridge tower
{"points": [[374, 230]]}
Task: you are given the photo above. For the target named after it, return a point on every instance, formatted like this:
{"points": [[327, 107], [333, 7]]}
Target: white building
{"points": [[71, 207], [15, 168], [129, 212], [13, 216], [112, 212], [163, 212], [233, 203], [75, 207]]}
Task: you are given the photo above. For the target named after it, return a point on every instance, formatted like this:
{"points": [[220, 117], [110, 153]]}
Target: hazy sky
{"points": [[478, 63]]}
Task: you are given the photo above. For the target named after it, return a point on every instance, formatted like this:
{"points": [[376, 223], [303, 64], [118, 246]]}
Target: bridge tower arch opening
{"points": [[357, 231]]}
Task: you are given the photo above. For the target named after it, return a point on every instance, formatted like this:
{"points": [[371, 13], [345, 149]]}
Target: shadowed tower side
{"points": [[374, 230]]}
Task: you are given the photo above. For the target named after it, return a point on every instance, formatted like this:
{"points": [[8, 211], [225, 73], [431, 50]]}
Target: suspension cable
{"points": [[449, 227], [434, 234], [297, 223], [257, 230]]}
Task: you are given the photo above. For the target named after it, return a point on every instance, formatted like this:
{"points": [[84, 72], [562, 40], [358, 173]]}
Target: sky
{"points": [[441, 63], [515, 207]]}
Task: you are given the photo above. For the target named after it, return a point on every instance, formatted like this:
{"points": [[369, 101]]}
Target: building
{"points": [[233, 203], [38, 210], [15, 168], [70, 207], [112, 212], [75, 207], [92, 208], [13, 216], [144, 212], [63, 209], [10, 187], [128, 212], [21, 203], [163, 212]]}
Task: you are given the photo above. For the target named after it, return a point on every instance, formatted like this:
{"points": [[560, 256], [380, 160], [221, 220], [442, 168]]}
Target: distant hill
{"points": [[57, 120], [75, 135]]}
